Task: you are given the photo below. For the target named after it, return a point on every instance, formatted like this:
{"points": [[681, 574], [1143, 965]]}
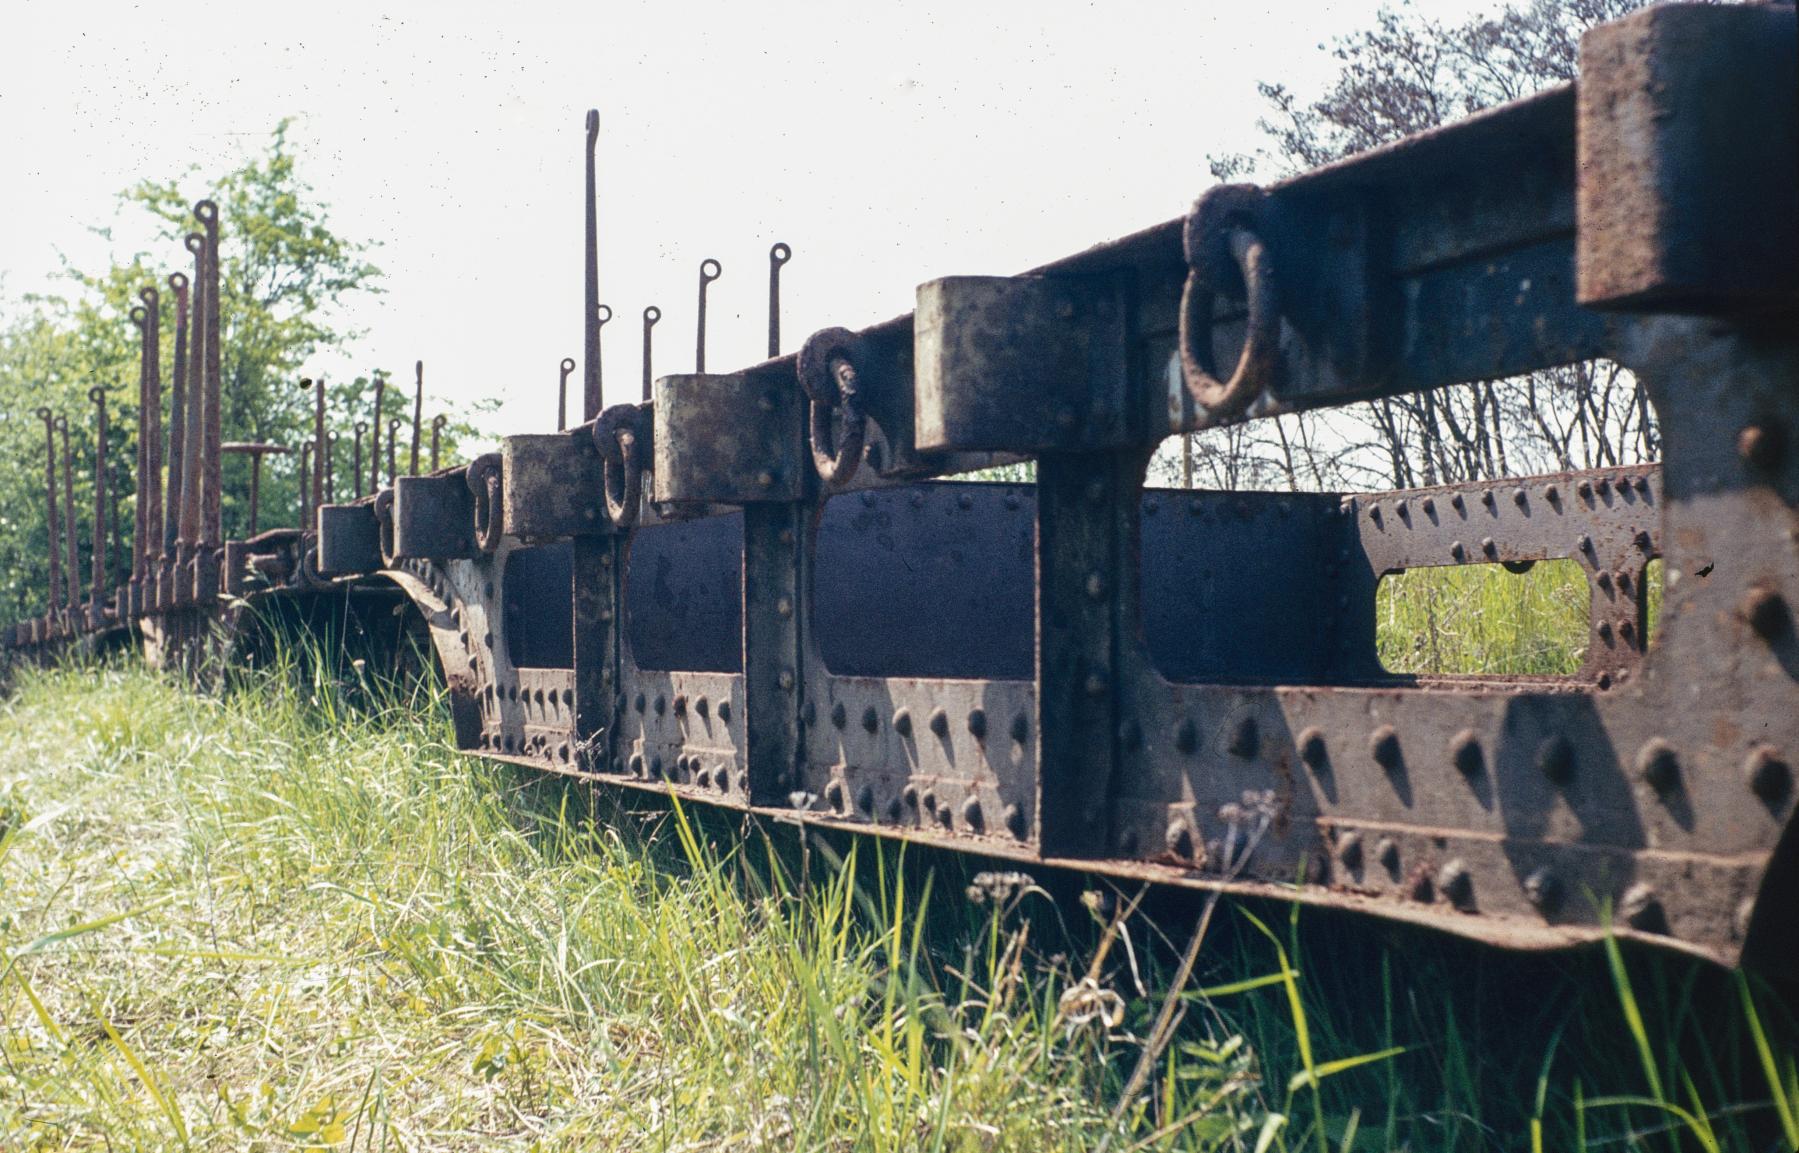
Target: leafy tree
{"points": [[1407, 74], [284, 275]]}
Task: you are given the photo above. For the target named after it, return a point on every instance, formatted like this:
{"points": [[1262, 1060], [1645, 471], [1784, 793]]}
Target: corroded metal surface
{"points": [[678, 596]]}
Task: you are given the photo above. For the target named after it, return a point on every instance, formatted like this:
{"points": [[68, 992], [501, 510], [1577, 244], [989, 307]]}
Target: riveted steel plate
{"points": [[727, 440], [434, 516], [349, 539], [1020, 364], [552, 486]]}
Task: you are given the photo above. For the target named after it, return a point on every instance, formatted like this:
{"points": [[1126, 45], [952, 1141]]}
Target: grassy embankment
{"points": [[279, 919]]}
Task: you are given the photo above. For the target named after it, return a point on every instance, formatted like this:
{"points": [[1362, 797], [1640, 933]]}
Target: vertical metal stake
{"points": [[710, 270], [777, 256], [650, 316]]}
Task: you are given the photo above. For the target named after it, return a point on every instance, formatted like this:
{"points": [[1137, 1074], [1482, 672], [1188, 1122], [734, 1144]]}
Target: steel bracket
{"points": [[552, 486], [1688, 168], [727, 440], [434, 517], [1022, 364], [349, 539]]}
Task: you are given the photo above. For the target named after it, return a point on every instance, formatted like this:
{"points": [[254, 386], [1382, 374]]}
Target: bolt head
{"points": [[1760, 446], [1456, 883], [1465, 753], [1349, 849], [1745, 916], [1642, 909], [1555, 759], [1767, 774], [1013, 816], [1312, 749], [1386, 851], [1543, 889], [1766, 612], [871, 720], [971, 813], [1383, 746], [940, 722], [902, 722], [1245, 739], [1186, 736], [1179, 839], [977, 723], [1658, 765], [1021, 728]]}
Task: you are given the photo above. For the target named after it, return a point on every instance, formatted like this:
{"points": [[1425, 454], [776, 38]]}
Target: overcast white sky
{"points": [[888, 144]]}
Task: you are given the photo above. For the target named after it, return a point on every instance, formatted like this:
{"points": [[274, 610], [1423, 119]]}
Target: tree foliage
{"points": [[1407, 74], [285, 276]]}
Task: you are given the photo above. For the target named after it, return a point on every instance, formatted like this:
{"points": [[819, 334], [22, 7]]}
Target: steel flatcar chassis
{"points": [[753, 590]]}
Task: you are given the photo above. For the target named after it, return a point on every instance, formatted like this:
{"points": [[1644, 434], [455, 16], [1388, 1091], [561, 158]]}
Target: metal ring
{"points": [[384, 524], [1259, 362], [309, 576], [485, 483], [615, 437], [827, 373]]}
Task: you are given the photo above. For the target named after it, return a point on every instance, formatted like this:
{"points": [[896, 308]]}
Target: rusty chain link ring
{"points": [[484, 482], [384, 520], [622, 437], [1221, 229], [827, 373]]}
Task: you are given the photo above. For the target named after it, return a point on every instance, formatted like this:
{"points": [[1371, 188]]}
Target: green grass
{"points": [[1484, 620], [277, 920]]}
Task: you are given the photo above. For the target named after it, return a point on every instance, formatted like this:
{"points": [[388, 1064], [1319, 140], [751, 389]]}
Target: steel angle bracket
{"points": [[349, 539], [552, 485], [1688, 171], [434, 518], [732, 440], [1022, 364]]}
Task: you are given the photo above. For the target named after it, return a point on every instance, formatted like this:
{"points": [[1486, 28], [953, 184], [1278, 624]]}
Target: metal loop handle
{"points": [[827, 374], [1224, 222], [384, 523], [621, 436], [485, 483]]}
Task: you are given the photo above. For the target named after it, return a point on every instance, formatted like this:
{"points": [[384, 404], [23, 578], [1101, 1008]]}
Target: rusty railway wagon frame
{"points": [[753, 590]]}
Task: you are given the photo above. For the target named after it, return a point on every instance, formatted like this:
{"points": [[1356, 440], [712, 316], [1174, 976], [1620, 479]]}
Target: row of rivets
{"points": [[938, 722], [1520, 496]]}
